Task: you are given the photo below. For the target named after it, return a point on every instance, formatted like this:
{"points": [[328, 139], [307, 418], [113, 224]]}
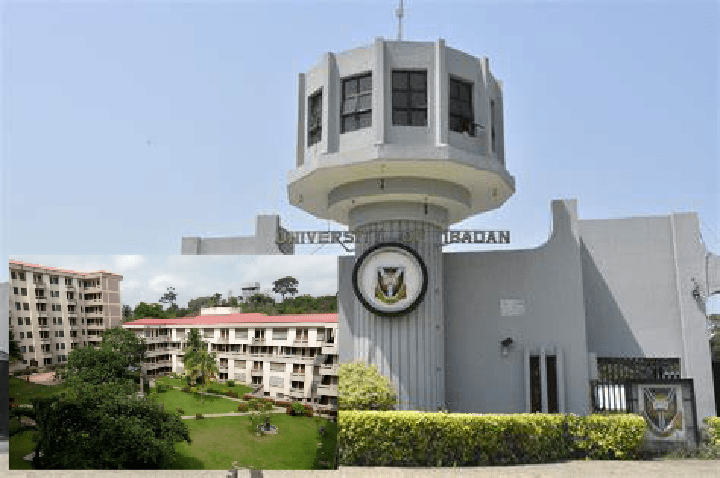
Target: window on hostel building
{"points": [[461, 109], [315, 118], [356, 108], [409, 98]]}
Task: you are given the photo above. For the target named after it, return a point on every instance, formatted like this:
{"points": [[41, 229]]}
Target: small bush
{"points": [[199, 416], [297, 408], [231, 394], [247, 396], [242, 407], [712, 427], [231, 383], [186, 389], [180, 411]]}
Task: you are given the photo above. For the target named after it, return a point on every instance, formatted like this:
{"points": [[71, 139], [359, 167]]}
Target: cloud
{"points": [[128, 263]]}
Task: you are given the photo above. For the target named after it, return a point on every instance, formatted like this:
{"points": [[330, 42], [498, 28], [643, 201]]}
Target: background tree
{"points": [[285, 285], [714, 330], [143, 310], [127, 312], [97, 430], [14, 353], [169, 297], [362, 387]]}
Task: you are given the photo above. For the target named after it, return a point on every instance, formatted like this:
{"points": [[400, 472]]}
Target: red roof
{"points": [[253, 318], [64, 271]]}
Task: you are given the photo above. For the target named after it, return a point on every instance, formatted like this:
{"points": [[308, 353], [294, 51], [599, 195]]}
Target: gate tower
{"points": [[398, 140]]}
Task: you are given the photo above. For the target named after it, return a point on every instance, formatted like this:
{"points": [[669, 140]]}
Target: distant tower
{"points": [[393, 138]]}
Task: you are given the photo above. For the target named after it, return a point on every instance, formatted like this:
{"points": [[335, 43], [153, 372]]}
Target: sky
{"points": [[127, 126], [147, 278]]}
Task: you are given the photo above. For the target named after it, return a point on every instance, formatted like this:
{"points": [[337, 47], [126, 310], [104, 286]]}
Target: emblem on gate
{"points": [[662, 410], [390, 279]]}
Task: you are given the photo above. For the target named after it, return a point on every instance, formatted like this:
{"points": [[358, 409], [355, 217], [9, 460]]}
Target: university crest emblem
{"points": [[662, 410], [390, 279]]}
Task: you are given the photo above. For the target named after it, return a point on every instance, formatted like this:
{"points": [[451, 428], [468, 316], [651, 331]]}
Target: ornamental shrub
{"points": [[390, 438], [199, 416], [242, 407], [362, 387], [297, 408], [712, 425], [181, 411], [231, 383]]}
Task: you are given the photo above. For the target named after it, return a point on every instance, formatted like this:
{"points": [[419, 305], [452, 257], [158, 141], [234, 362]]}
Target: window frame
{"points": [[409, 90], [356, 113], [315, 117], [469, 120]]}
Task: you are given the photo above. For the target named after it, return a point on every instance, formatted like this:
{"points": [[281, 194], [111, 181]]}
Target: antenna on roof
{"points": [[399, 12]]}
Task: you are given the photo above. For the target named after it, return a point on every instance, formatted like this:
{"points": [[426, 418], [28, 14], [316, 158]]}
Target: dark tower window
{"points": [[493, 115], [461, 109], [315, 118], [356, 108], [409, 98]]}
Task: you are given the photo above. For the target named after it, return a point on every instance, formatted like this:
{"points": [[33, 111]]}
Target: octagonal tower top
{"points": [[399, 130]]}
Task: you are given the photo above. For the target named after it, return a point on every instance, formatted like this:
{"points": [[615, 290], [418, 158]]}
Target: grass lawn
{"points": [[190, 402], [23, 391], [217, 442], [21, 445], [239, 388]]}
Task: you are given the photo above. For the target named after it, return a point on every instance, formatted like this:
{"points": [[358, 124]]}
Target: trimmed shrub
{"points": [[242, 407], [180, 411], [712, 425], [390, 438], [297, 408], [199, 416], [247, 396], [186, 389], [231, 383], [231, 394]]}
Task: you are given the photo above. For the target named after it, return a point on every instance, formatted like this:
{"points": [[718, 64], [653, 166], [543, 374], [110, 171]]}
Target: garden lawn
{"points": [[218, 442], [239, 388], [23, 391], [190, 402], [21, 444]]}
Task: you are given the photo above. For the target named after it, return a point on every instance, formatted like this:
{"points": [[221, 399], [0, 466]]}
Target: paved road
{"points": [[572, 469]]}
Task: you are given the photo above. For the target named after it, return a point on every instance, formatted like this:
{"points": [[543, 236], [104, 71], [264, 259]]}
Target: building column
{"points": [[408, 349]]}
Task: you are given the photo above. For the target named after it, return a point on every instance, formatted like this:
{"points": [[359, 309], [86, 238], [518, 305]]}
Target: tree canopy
{"points": [[169, 297], [14, 353], [94, 430], [362, 387], [285, 285]]}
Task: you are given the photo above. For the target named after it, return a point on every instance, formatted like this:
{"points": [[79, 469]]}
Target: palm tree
{"points": [[194, 347], [207, 364]]}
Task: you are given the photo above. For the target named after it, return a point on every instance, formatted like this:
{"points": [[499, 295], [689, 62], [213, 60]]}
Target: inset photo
{"points": [[230, 361]]}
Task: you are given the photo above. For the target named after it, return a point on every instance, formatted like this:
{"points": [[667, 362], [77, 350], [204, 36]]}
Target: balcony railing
{"points": [[44, 326], [256, 372], [329, 369], [297, 392], [44, 339], [329, 390], [258, 340], [298, 374], [329, 348], [300, 341], [41, 300], [69, 287]]}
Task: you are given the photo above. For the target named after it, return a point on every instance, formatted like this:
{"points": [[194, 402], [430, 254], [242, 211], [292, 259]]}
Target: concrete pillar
{"points": [[408, 349]]}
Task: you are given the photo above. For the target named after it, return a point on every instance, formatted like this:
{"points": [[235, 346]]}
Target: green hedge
{"points": [[713, 428], [391, 438]]}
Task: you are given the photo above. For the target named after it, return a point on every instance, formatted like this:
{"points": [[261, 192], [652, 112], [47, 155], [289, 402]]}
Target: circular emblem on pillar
{"points": [[390, 279]]}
